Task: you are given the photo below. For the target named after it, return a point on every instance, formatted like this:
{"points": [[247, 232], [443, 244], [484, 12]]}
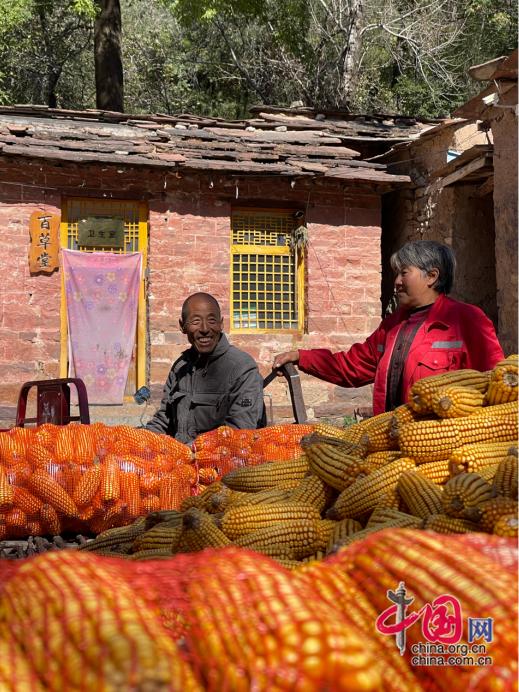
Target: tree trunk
{"points": [[353, 42], [107, 56]]}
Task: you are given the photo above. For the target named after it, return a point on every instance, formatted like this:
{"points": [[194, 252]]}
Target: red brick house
{"points": [[214, 206]]}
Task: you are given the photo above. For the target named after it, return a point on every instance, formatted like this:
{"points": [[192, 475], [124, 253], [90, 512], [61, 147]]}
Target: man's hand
{"points": [[284, 358]]}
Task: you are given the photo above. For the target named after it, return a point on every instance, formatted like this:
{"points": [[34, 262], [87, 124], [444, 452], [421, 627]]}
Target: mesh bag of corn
{"points": [[226, 449], [460, 603], [88, 478]]}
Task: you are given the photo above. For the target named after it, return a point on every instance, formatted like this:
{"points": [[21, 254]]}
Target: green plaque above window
{"points": [[101, 231]]}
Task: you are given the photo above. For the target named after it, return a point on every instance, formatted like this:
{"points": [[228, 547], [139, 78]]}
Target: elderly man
{"points": [[212, 383]]}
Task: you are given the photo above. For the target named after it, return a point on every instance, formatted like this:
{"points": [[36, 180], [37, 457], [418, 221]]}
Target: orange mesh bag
{"points": [[73, 443], [16, 672], [12, 447], [82, 626], [433, 566], [226, 449], [45, 435], [58, 479], [340, 591], [252, 628]]}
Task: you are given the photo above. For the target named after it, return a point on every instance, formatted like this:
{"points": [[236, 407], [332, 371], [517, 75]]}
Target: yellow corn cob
{"points": [[422, 392], [312, 490], [494, 509], [434, 440], [223, 499], [263, 476], [377, 434], [353, 433], [47, 489], [455, 401], [503, 382], [342, 529], [26, 501], [346, 446], [441, 523], [200, 531], [501, 392], [88, 485], [163, 536], [293, 539], [6, 491], [172, 516], [488, 472], [505, 478], [507, 526], [116, 536], [462, 496], [377, 459], [386, 515], [333, 464], [365, 493], [363, 533], [327, 430], [436, 471], [401, 416], [151, 554], [325, 529], [472, 458], [390, 500], [247, 518], [262, 497], [420, 495], [203, 500], [110, 485]]}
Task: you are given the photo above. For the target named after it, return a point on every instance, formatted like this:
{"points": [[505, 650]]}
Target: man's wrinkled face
{"points": [[203, 324]]}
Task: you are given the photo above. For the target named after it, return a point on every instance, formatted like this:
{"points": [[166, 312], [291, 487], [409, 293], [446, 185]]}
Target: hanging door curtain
{"points": [[102, 294]]}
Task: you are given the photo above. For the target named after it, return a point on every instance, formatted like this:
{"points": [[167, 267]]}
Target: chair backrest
{"points": [[53, 402]]}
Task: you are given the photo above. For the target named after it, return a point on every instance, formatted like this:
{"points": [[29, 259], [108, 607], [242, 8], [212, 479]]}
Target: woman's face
{"points": [[413, 287]]}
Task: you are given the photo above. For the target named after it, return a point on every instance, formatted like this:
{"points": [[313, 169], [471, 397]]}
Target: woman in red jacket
{"points": [[428, 334]]}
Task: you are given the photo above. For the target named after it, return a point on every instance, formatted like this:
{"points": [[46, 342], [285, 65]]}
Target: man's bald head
{"points": [[202, 322], [203, 297]]}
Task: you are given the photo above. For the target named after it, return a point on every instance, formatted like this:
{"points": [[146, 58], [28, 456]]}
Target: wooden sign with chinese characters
{"points": [[101, 231], [44, 248]]}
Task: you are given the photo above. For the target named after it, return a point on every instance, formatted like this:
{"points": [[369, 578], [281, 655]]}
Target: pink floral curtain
{"points": [[102, 293]]}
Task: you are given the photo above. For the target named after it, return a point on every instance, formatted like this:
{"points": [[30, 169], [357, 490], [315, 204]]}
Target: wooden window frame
{"points": [[271, 250]]}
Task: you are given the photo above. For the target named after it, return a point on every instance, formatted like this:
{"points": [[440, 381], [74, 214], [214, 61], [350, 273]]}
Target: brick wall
{"points": [[189, 250], [504, 130], [454, 215]]}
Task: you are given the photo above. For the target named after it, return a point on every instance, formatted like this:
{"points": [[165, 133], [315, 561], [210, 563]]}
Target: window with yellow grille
{"points": [[267, 275]]}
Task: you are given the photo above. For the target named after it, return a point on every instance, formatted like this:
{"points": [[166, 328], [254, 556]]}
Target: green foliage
{"points": [[217, 57]]}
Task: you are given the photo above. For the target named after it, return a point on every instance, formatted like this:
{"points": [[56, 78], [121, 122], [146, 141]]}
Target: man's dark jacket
{"points": [[203, 392]]}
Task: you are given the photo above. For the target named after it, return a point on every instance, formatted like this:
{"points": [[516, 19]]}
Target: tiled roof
{"points": [[296, 142]]}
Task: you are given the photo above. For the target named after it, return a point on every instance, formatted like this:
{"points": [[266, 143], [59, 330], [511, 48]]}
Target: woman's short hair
{"points": [[427, 255]]}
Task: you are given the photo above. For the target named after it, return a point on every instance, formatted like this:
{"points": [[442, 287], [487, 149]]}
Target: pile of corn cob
{"points": [[407, 468]]}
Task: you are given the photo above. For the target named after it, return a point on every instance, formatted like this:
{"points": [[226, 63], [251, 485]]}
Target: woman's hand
{"points": [[284, 358]]}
